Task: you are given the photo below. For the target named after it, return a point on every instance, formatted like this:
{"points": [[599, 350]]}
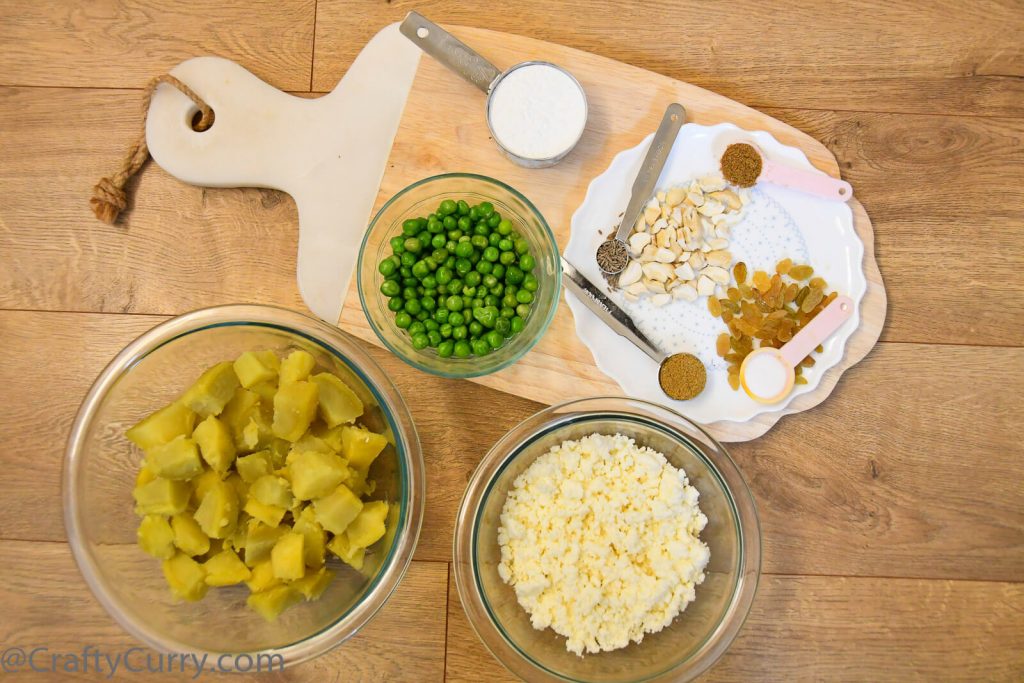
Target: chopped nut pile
{"points": [[770, 309], [679, 245]]}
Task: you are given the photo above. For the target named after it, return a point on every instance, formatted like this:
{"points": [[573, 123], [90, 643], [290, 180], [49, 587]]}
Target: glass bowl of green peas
{"points": [[459, 275]]}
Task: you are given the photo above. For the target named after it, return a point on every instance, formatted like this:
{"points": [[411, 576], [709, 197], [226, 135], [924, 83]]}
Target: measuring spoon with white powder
{"points": [[768, 374], [536, 111]]}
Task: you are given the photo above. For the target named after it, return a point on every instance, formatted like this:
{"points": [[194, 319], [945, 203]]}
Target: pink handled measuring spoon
{"points": [[767, 374], [812, 182]]}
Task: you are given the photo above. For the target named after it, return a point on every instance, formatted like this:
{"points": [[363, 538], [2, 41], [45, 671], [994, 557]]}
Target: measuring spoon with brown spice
{"points": [[743, 164]]}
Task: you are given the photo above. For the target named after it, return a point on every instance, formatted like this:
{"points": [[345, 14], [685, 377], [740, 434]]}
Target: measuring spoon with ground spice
{"points": [[682, 376], [743, 164]]}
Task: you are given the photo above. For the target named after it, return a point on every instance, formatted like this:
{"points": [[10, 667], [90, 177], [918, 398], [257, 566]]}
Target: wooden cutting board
{"points": [[443, 129]]}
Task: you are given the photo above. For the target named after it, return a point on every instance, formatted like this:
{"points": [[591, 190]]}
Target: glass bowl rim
{"points": [[408, 450], [726, 473], [410, 359]]}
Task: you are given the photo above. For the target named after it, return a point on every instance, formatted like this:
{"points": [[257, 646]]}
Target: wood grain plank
{"points": [[908, 487], [821, 628], [928, 182], [920, 57], [38, 581], [124, 43]]}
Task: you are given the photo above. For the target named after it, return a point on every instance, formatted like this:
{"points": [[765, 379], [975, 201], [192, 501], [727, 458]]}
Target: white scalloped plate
{"points": [[777, 223]]}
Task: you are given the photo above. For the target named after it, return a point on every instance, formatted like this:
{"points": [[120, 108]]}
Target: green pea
{"points": [[491, 254], [463, 266], [432, 263], [505, 227], [481, 347], [438, 241], [494, 220], [413, 245], [450, 222], [514, 276], [490, 281], [456, 318], [517, 325], [503, 326], [481, 229], [485, 209], [476, 328], [508, 312], [463, 249], [479, 241], [446, 330], [455, 286], [491, 301], [527, 262], [521, 245], [459, 332], [498, 271], [448, 206], [465, 224], [387, 267], [478, 303], [509, 300], [445, 349], [530, 282], [494, 339], [523, 310], [462, 349], [403, 320], [410, 227], [420, 269], [449, 262], [389, 288], [424, 238], [396, 304], [473, 278], [450, 247], [484, 267], [430, 324], [474, 213], [463, 208], [524, 296], [412, 306], [397, 244], [505, 244], [456, 235], [429, 303], [443, 275], [408, 258], [441, 315], [435, 227], [454, 303], [416, 328], [434, 338], [406, 272], [430, 281], [507, 258], [468, 291]]}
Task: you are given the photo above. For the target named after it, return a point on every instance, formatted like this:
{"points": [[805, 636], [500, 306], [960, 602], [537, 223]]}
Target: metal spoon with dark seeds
{"points": [[613, 254]]}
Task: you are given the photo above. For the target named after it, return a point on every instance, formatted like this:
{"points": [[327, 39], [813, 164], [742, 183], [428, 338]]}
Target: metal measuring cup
{"points": [[464, 61]]}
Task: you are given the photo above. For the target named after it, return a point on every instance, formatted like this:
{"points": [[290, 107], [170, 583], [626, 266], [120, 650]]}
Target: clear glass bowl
{"points": [[698, 636], [422, 198], [101, 464]]}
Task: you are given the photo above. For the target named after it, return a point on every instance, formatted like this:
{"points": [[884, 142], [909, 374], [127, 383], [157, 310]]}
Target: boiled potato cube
{"points": [[266, 391], [334, 512], [262, 577], [361, 446], [287, 556], [272, 490], [189, 538], [238, 484], [368, 527], [156, 537], [329, 436], [237, 539], [260, 540], [225, 569], [306, 524], [294, 409], [238, 412], [212, 390], [144, 476], [218, 513], [358, 483], [313, 584], [215, 443], [186, 577], [315, 474], [279, 449], [252, 467], [254, 367], [271, 515], [176, 459], [338, 403], [351, 556], [311, 442], [296, 366], [257, 433], [161, 497], [270, 603], [164, 425], [202, 485]]}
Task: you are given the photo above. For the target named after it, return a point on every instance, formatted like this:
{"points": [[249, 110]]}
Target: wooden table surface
{"points": [[892, 515]]}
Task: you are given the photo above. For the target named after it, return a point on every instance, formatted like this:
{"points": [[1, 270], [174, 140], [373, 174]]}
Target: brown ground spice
{"points": [[741, 164], [682, 376]]}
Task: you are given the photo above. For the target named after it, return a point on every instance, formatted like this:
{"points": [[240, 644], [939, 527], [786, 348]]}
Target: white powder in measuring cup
{"points": [[537, 111], [765, 375]]}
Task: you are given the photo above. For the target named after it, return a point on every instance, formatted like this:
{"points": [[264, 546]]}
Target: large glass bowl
{"points": [[100, 468], [698, 636], [421, 199]]}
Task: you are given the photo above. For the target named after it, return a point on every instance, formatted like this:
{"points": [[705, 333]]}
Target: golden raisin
{"points": [[714, 307], [801, 272], [800, 380], [783, 266], [813, 298], [734, 294], [818, 282], [761, 281], [739, 271], [722, 344], [734, 382]]}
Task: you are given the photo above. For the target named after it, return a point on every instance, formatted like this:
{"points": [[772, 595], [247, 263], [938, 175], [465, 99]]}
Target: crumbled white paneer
{"points": [[600, 540]]}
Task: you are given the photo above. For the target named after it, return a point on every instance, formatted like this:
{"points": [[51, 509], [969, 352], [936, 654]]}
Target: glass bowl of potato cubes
{"points": [[243, 479]]}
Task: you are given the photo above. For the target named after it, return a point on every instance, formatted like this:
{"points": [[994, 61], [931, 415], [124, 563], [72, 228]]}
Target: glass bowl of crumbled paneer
{"points": [[607, 540]]}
